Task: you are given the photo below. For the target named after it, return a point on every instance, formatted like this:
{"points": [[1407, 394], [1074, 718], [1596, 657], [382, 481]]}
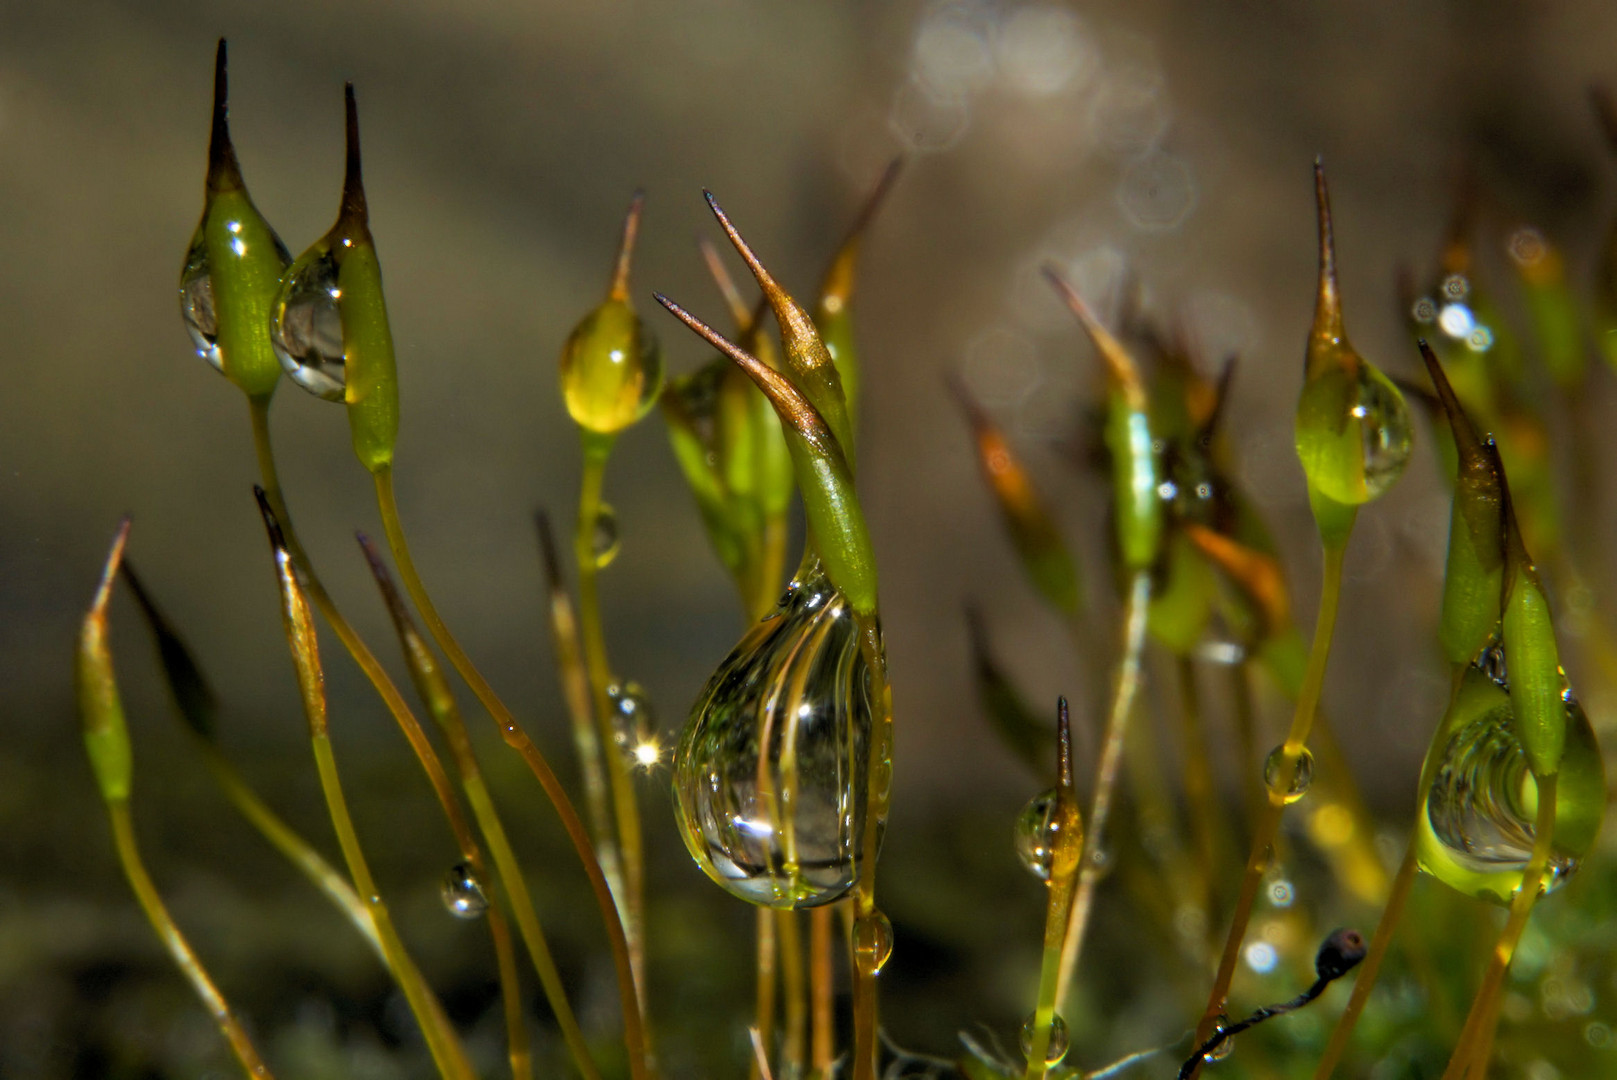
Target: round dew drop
{"points": [[1060, 1039], [1354, 433], [1275, 774], [1037, 832], [306, 327], [605, 542], [196, 304], [873, 940], [462, 892]]}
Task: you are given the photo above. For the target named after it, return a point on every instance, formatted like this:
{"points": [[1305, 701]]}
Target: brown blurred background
{"points": [[1169, 138]]}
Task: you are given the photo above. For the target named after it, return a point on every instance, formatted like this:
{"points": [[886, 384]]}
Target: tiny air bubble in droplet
{"points": [[1276, 779], [463, 893]]}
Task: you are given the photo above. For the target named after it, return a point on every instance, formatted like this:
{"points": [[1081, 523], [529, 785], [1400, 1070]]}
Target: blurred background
{"points": [[1165, 139]]}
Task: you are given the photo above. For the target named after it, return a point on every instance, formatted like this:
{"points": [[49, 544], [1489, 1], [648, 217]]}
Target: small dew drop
{"points": [[1455, 287], [1056, 1049], [1223, 1049], [873, 940], [306, 327], [1036, 834], [1527, 247], [1289, 785], [604, 539], [196, 304], [1281, 893], [1480, 339], [1424, 311], [634, 721], [463, 893]]}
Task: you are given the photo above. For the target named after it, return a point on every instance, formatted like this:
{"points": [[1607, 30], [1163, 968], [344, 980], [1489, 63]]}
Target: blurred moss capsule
{"points": [[101, 710], [1353, 428], [1551, 305], [611, 365], [233, 267], [329, 323], [833, 315]]}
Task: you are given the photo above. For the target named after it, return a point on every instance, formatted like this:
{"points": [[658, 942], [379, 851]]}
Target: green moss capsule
{"points": [[611, 365], [329, 324], [101, 710], [233, 266], [1353, 428], [1537, 683]]}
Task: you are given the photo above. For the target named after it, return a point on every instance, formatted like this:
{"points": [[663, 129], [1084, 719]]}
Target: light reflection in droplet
{"points": [[1527, 247], [1456, 320], [924, 124], [1156, 192], [1261, 957], [1423, 311], [1043, 49], [1130, 111], [951, 58]]}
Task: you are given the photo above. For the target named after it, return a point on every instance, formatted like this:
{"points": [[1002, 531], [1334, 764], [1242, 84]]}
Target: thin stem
{"points": [[631, 898], [123, 836], [823, 1043], [517, 739], [1366, 981], [764, 1025], [878, 781], [1267, 830], [1057, 913], [771, 565], [1124, 688], [447, 1053], [793, 977], [1475, 1045], [1246, 734], [1198, 782]]}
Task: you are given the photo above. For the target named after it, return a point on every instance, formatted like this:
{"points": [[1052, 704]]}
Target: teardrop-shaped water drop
{"points": [[605, 543], [1289, 785], [462, 892], [1037, 831], [196, 303], [1480, 800], [772, 771], [1056, 1048], [1354, 432], [306, 325], [873, 940], [1226, 1047]]}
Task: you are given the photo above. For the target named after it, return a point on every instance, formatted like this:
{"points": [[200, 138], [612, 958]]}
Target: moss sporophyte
{"points": [[782, 773]]}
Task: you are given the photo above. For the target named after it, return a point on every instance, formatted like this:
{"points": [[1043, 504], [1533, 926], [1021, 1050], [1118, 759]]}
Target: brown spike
{"points": [[1066, 784], [353, 184], [224, 172], [272, 525], [631, 229], [384, 582], [837, 286], [795, 324], [1118, 363], [1326, 336], [727, 286], [1466, 440]]}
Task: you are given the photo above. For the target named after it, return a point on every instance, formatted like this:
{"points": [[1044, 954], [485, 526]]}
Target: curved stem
{"points": [[1267, 830], [877, 791], [1198, 781], [517, 739], [631, 898], [1124, 689], [1366, 980], [1475, 1045], [824, 1033], [123, 836], [795, 1005]]}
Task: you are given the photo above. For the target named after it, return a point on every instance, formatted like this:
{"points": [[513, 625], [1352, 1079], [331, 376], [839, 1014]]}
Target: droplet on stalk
{"points": [[605, 542], [1479, 799], [308, 327], [1038, 830], [873, 940], [1353, 428], [771, 773], [462, 892], [1060, 1040], [1289, 785]]}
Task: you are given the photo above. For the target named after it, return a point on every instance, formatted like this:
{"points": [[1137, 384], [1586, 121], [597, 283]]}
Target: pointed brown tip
{"points": [[353, 183], [547, 549], [224, 172], [975, 414], [1119, 365], [619, 289], [109, 570], [726, 284], [1466, 440], [837, 287], [1221, 398], [272, 525], [778, 299], [1328, 303], [1066, 785], [384, 582]]}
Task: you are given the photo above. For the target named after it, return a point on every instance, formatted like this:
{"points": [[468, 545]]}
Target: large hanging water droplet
{"points": [[462, 892], [306, 326], [1037, 832], [1056, 1049], [1354, 432], [1289, 785], [605, 543], [771, 774], [873, 940], [196, 303], [1479, 799]]}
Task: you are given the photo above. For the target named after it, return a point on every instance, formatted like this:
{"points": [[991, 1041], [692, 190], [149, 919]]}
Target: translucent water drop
{"points": [[605, 543], [306, 327], [1424, 311], [1223, 1049], [1354, 433], [1275, 775], [1480, 800], [873, 940], [634, 721], [611, 369], [772, 770], [196, 303], [1056, 1049], [1037, 830], [462, 892]]}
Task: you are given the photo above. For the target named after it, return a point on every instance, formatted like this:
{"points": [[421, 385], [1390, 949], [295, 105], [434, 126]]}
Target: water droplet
{"points": [[463, 893], [634, 721], [1480, 798], [1223, 1049], [306, 327], [1056, 1049], [873, 940], [1101, 862], [1289, 784], [772, 769], [196, 303], [1281, 893], [611, 369], [1455, 287], [1480, 339], [1424, 311], [605, 543], [1354, 432], [1037, 831], [1261, 957], [1456, 320], [1527, 247]]}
